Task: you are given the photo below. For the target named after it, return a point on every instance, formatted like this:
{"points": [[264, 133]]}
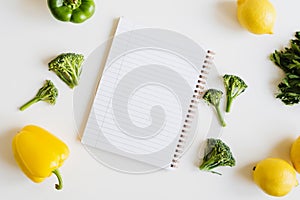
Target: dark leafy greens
{"points": [[288, 60]]}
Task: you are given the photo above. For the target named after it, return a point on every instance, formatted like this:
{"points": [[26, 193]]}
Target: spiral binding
{"points": [[198, 92]]}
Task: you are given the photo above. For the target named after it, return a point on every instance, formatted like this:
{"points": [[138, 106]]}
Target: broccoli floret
{"points": [[234, 86], [216, 154], [213, 97], [47, 93], [67, 67]]}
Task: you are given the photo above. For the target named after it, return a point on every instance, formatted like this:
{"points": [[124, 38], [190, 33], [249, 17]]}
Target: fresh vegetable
{"points": [[289, 89], [288, 60], [76, 11], [234, 86], [213, 97], [216, 154], [47, 93], [68, 67], [39, 153]]}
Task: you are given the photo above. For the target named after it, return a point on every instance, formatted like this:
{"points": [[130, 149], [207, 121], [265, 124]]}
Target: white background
{"points": [[259, 125]]}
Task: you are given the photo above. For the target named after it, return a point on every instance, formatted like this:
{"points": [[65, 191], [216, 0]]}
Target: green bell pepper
{"points": [[76, 11]]}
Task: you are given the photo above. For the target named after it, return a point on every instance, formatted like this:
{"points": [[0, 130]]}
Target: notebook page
{"points": [[144, 95]]}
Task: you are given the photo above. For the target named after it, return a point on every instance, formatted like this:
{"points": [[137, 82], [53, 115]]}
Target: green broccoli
{"points": [[67, 67], [234, 86], [47, 93], [213, 97], [216, 154]]}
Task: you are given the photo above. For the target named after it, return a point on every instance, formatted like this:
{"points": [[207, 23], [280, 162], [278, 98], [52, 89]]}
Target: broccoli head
{"points": [[47, 93], [213, 97], [67, 67], [216, 154], [234, 86]]}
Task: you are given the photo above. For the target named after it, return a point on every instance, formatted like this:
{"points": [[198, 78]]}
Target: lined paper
{"points": [[144, 95]]}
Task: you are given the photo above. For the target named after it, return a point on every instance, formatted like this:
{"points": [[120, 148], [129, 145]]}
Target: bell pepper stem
{"points": [[59, 185], [73, 3]]}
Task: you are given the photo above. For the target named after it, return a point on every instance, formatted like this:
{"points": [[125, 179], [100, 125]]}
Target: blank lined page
{"points": [[144, 94]]}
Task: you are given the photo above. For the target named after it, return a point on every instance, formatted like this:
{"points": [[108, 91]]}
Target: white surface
{"points": [[259, 125]]}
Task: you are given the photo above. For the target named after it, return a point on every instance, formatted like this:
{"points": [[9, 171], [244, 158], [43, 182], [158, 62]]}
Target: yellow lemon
{"points": [[257, 16], [295, 154], [275, 176]]}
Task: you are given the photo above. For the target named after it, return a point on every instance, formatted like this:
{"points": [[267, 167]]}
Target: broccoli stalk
{"points": [[213, 97], [216, 154], [67, 66], [234, 86], [47, 93]]}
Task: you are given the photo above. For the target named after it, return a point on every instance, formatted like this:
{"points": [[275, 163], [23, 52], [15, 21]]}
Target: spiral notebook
{"points": [[145, 105]]}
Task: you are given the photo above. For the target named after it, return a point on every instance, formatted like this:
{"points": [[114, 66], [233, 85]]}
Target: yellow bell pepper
{"points": [[39, 153]]}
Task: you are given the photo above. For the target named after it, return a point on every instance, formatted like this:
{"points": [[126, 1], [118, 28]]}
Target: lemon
{"points": [[257, 16], [295, 154], [275, 176]]}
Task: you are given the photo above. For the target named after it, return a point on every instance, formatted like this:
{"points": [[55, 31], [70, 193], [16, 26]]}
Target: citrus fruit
{"points": [[275, 176], [257, 16], [295, 154]]}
